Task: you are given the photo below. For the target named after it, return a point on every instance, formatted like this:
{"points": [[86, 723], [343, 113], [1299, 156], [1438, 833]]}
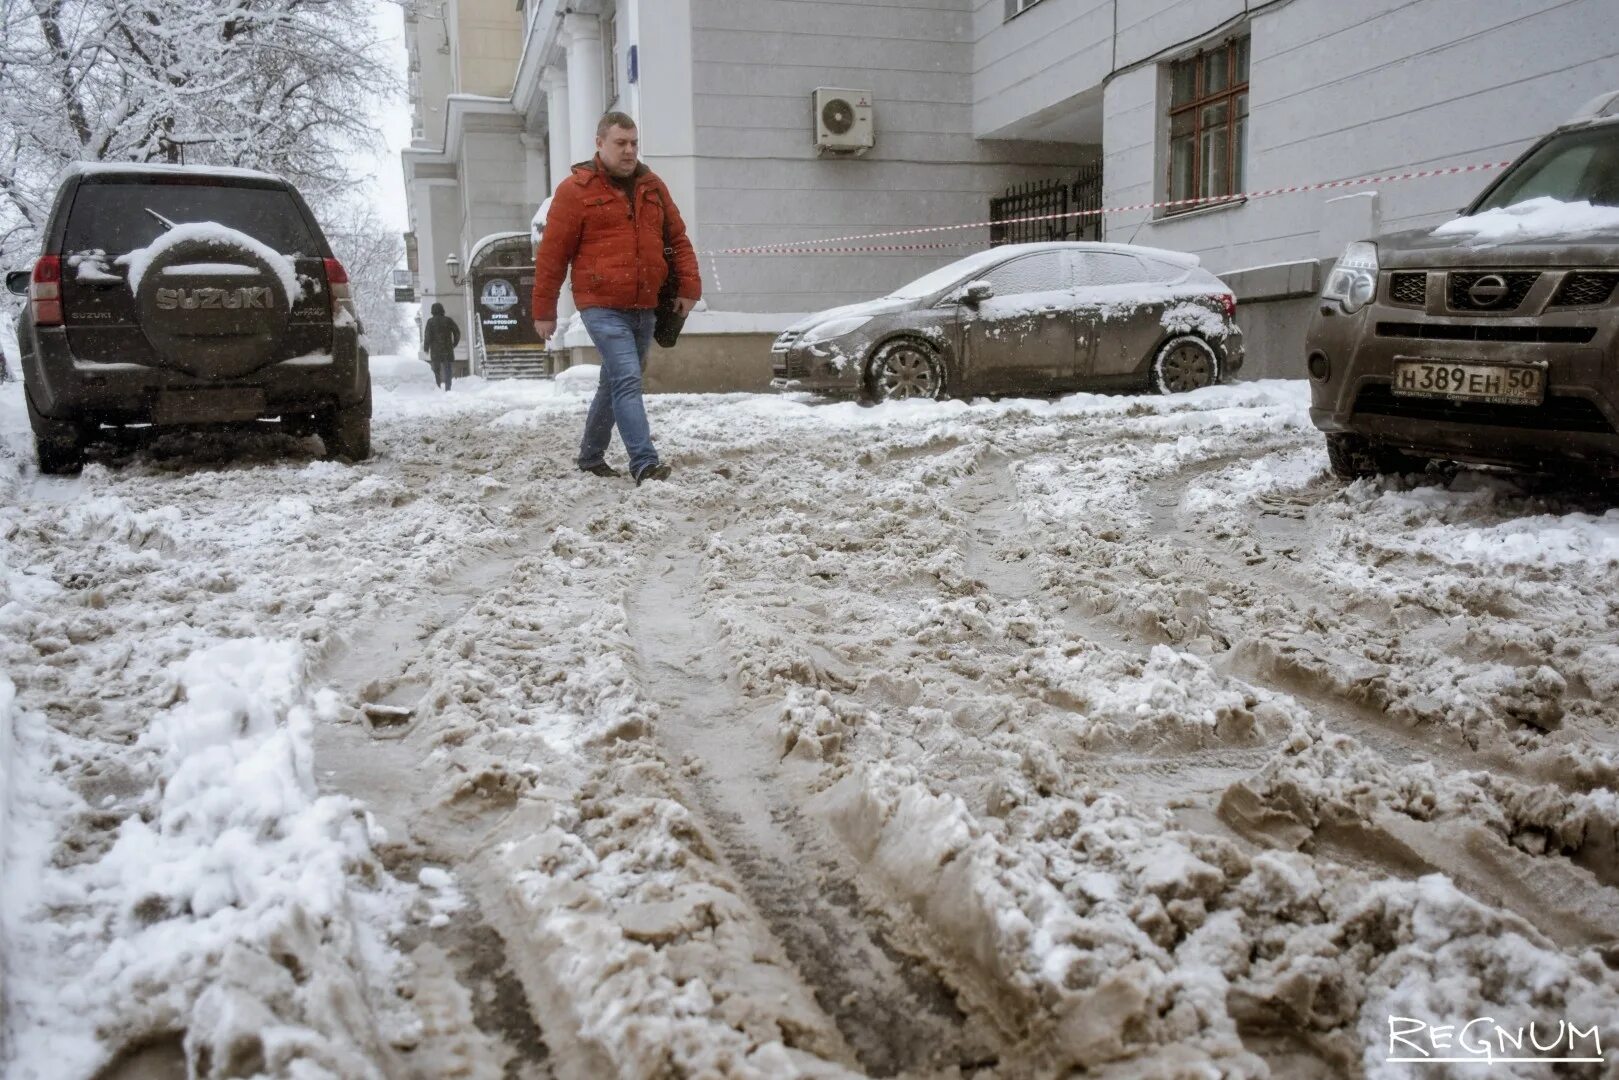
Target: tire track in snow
{"points": [[896, 1015]]}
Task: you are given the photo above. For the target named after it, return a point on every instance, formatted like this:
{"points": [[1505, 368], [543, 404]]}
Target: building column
{"points": [[555, 82], [582, 37], [559, 139]]}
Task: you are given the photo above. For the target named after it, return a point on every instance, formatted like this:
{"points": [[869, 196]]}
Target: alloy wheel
{"points": [[906, 372], [1185, 365]]}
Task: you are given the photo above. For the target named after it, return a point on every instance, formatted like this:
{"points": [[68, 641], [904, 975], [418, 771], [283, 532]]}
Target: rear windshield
{"points": [[119, 217], [1581, 166]]}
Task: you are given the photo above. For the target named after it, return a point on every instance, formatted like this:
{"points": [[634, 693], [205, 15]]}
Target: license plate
{"points": [[1495, 384], [208, 406]]}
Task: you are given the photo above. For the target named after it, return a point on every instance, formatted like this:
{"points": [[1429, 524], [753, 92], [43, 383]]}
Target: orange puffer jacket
{"points": [[617, 255]]}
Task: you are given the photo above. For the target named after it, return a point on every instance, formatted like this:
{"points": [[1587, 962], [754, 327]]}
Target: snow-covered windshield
{"points": [[117, 218], [1581, 166], [928, 284]]}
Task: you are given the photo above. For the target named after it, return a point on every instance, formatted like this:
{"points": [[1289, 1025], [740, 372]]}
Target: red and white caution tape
{"points": [[819, 247]]}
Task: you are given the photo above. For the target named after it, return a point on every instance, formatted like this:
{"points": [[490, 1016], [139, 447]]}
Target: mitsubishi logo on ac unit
{"points": [[843, 121]]}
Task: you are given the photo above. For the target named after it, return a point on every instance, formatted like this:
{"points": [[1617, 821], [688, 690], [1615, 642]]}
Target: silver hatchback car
{"points": [[1024, 319]]}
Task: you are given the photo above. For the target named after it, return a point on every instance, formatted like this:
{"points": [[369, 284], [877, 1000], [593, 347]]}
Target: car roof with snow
{"points": [[97, 169], [1599, 111], [1181, 258]]}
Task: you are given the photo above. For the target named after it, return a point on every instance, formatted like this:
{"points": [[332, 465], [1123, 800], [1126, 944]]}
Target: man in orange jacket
{"points": [[608, 221]]}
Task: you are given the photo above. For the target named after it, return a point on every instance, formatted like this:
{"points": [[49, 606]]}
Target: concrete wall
{"points": [[756, 175], [1039, 61], [494, 179], [488, 39], [1342, 90], [703, 364]]}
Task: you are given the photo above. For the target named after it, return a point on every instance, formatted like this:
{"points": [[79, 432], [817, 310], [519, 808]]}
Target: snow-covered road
{"points": [[930, 739]]}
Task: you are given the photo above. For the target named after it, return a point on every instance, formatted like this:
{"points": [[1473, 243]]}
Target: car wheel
{"points": [[346, 431], [1184, 363], [906, 369], [58, 444], [1352, 456]]}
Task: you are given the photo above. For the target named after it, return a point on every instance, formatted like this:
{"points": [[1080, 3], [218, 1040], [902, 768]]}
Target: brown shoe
{"points": [[601, 468]]}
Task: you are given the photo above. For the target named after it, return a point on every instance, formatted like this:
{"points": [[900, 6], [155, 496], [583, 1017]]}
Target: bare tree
{"points": [[369, 250], [288, 86]]}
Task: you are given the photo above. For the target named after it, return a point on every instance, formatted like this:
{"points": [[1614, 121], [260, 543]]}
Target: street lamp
{"points": [[452, 263]]}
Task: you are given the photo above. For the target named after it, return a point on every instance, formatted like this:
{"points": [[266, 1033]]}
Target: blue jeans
{"points": [[623, 336]]}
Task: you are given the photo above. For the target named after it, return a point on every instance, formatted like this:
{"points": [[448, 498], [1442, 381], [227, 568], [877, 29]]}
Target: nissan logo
{"points": [[1488, 290]]}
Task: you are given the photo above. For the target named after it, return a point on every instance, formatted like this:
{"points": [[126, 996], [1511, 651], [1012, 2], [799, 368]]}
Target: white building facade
{"points": [[1176, 99]]}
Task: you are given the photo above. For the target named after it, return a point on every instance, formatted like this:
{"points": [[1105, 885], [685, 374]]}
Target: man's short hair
{"points": [[612, 120]]}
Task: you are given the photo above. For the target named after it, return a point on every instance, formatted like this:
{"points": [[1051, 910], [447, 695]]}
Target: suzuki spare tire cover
{"points": [[213, 307]]}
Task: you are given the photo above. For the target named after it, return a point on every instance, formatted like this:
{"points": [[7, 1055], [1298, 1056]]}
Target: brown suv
{"points": [[169, 295], [1492, 339]]}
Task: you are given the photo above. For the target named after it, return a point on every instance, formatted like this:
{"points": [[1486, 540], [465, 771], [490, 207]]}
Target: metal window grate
{"points": [[1042, 198], [1582, 289], [1409, 288], [1518, 284]]}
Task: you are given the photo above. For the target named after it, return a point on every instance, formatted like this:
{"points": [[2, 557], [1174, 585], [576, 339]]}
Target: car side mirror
{"points": [[17, 281], [977, 293]]}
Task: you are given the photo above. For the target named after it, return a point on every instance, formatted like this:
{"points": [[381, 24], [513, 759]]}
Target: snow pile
{"points": [[213, 233], [226, 910], [1542, 219]]}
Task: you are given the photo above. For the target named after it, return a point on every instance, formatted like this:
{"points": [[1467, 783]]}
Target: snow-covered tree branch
{"points": [[288, 86]]}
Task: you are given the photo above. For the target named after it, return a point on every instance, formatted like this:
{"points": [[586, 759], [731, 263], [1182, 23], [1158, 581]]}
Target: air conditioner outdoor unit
{"points": [[843, 121]]}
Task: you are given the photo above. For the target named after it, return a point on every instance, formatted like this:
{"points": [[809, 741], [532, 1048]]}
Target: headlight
{"points": [[834, 329], [1353, 280]]}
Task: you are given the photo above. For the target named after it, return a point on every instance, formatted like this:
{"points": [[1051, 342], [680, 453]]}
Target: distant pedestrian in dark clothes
{"points": [[439, 338]]}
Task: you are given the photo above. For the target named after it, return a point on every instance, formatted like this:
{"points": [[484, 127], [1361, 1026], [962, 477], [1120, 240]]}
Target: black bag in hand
{"points": [[666, 328]]}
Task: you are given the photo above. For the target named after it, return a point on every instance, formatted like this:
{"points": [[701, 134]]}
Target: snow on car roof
{"points": [[1182, 258], [127, 168]]}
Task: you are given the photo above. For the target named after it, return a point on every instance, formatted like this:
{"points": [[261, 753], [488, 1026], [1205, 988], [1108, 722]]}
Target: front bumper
{"points": [[1578, 422], [65, 388], [817, 369]]}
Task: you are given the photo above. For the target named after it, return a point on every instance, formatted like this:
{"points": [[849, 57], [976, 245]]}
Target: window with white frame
{"points": [[1015, 8], [1208, 123]]}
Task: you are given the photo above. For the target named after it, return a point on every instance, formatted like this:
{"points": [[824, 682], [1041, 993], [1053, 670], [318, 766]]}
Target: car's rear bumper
{"points": [[66, 388], [1233, 349], [1578, 422]]}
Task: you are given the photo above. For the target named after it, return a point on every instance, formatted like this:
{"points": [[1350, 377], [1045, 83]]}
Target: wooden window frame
{"points": [[1201, 99]]}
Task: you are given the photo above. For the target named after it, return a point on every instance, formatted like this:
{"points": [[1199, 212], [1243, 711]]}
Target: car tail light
{"points": [[1230, 302], [337, 283], [45, 291]]}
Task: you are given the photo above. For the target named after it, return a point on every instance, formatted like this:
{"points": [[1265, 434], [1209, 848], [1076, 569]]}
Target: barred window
{"points": [[1208, 122]]}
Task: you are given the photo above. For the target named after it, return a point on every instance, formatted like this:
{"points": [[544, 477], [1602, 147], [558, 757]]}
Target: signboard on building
{"points": [[501, 296], [404, 287]]}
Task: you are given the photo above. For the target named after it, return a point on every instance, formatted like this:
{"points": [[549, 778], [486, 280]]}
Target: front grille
{"points": [[1518, 285], [785, 367], [1555, 414], [1584, 288], [1540, 335], [1409, 288], [785, 340]]}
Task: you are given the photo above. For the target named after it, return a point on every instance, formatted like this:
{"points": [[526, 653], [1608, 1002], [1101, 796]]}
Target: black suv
{"points": [[180, 296], [1492, 339]]}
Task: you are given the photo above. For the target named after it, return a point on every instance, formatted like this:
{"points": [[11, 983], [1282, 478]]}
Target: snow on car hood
{"points": [[881, 306], [1533, 220], [139, 259]]}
